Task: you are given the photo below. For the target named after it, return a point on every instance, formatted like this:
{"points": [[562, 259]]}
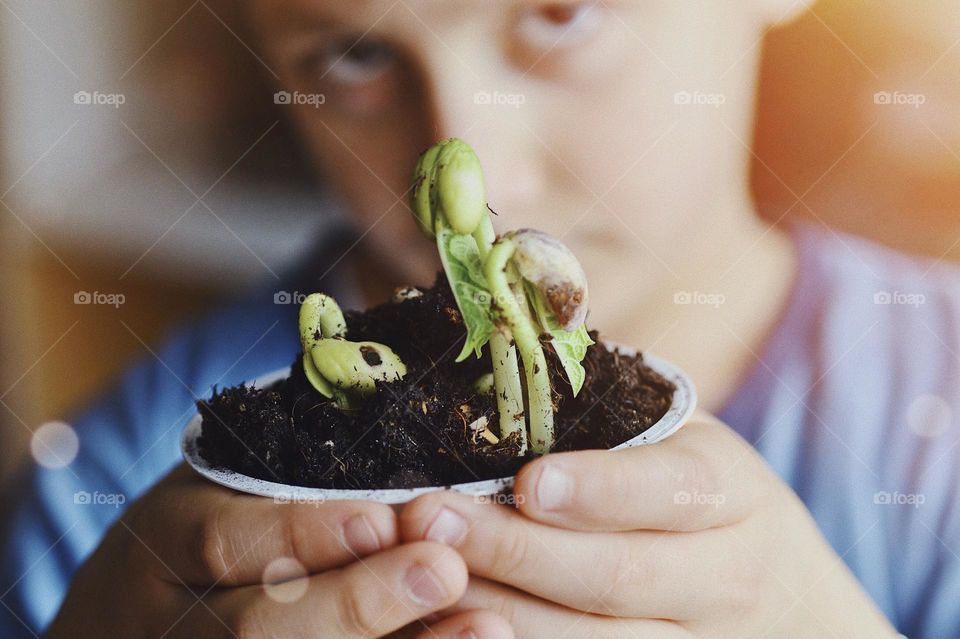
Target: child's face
{"points": [[616, 125]]}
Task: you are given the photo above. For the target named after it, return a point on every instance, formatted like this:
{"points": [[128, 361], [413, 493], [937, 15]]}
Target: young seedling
{"points": [[320, 318], [551, 301], [525, 287], [340, 369], [449, 204]]}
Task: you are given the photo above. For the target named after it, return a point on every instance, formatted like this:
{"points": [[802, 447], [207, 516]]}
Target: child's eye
{"points": [[357, 63], [559, 25]]}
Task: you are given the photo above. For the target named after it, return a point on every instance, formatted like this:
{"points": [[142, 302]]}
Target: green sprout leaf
{"points": [[355, 367], [459, 186], [570, 346], [424, 192], [316, 380], [464, 270]]}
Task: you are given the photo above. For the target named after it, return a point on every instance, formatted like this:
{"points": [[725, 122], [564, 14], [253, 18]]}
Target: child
{"points": [[624, 128]]}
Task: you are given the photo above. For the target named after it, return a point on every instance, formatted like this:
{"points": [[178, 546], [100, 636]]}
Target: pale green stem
{"points": [[506, 382], [506, 369], [485, 236], [320, 317], [531, 350], [344, 401]]}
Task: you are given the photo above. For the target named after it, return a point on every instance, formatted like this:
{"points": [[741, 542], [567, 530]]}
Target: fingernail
{"points": [[424, 588], [448, 528], [359, 536], [467, 634], [553, 488]]}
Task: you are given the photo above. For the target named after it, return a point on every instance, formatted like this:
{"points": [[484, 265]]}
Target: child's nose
{"points": [[474, 101]]}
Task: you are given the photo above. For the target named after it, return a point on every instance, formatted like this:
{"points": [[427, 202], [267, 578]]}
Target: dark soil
{"points": [[415, 432]]}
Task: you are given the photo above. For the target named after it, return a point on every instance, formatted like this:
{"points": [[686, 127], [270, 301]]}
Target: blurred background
{"points": [[138, 157]]}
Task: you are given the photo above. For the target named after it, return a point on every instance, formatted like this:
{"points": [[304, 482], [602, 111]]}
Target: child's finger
{"points": [[369, 598], [535, 618], [701, 477], [629, 574], [472, 624], [194, 532]]}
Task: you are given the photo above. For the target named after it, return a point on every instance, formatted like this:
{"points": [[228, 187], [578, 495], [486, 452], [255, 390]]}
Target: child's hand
{"points": [[691, 537], [190, 560]]}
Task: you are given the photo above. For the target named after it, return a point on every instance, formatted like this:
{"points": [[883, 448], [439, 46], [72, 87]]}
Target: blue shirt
{"points": [[852, 403]]}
